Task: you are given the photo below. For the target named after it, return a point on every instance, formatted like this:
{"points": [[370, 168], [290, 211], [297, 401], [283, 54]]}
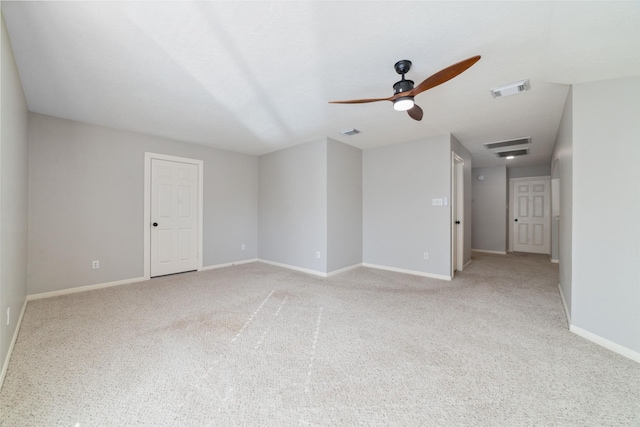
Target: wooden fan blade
{"points": [[415, 113], [444, 75], [360, 101]]}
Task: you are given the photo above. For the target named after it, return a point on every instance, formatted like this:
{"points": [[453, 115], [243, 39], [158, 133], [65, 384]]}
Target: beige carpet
{"points": [[260, 345]]}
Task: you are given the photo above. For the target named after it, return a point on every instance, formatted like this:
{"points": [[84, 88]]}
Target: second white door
{"points": [[531, 226], [174, 217]]}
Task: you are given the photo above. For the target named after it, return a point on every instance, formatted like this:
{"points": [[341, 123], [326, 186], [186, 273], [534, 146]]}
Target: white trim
{"points": [[609, 345], [555, 261], [456, 205], [343, 270], [13, 342], [467, 263], [402, 270], [564, 304], [147, 205], [293, 267], [489, 252], [228, 264], [84, 288]]}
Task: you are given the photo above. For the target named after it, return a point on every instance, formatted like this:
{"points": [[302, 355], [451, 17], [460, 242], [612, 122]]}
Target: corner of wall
{"points": [[13, 198]]}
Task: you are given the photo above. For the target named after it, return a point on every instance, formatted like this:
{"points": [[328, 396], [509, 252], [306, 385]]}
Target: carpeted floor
{"points": [[261, 345]]}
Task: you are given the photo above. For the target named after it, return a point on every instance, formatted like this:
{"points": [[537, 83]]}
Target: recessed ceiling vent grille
{"points": [[521, 152], [510, 143], [511, 89], [350, 132]]}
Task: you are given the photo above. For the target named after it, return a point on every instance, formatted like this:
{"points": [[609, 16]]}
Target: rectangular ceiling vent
{"points": [[512, 153], [511, 89], [510, 143], [350, 132]]}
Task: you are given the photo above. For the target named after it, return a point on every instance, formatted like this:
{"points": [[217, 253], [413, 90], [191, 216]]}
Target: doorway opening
{"points": [[457, 213], [555, 213]]}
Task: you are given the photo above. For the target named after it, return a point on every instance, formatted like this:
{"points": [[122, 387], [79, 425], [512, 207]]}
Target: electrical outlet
{"points": [[95, 264], [426, 255], [317, 255], [8, 316], [243, 247]]}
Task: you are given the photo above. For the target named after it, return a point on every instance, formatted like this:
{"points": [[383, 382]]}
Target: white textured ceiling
{"points": [[255, 77]]}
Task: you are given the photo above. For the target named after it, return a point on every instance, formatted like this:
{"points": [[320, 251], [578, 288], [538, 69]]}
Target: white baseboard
{"points": [[13, 342], [466, 264], [343, 270], [402, 270], [609, 345], [293, 267], [228, 264], [309, 271], [84, 288], [555, 261], [489, 252], [564, 304], [121, 282]]}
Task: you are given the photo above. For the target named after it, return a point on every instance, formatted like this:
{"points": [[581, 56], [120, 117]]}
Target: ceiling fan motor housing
{"points": [[402, 86]]}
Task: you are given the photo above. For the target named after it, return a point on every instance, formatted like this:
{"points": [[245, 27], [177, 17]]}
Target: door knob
{"points": [[155, 224], [457, 222]]}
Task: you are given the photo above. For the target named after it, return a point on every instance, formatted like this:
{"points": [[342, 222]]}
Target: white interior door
{"points": [[174, 217], [531, 222]]}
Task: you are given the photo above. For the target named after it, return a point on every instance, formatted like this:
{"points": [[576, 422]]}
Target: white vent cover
{"points": [[512, 153], [511, 89], [349, 131], [509, 143]]}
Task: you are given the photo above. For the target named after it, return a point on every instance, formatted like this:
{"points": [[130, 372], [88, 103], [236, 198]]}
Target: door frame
{"points": [[457, 207], [512, 205], [148, 157]]}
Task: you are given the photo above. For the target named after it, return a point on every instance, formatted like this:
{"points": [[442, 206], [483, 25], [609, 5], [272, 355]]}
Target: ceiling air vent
{"points": [[511, 89], [510, 143], [512, 153], [350, 132]]}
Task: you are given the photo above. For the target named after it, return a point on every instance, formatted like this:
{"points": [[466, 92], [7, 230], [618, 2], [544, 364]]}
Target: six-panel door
{"points": [[531, 216], [174, 217]]}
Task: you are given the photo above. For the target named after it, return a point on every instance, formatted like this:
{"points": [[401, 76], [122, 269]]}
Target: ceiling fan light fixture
{"points": [[403, 103]]}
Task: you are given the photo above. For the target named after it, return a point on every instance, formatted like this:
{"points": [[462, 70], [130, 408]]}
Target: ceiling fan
{"points": [[404, 91]]}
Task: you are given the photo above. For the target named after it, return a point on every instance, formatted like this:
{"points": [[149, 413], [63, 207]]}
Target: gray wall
{"points": [[399, 222], [529, 171], [293, 206], [461, 151], [13, 196], [86, 202], [490, 200], [606, 208], [344, 205]]}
